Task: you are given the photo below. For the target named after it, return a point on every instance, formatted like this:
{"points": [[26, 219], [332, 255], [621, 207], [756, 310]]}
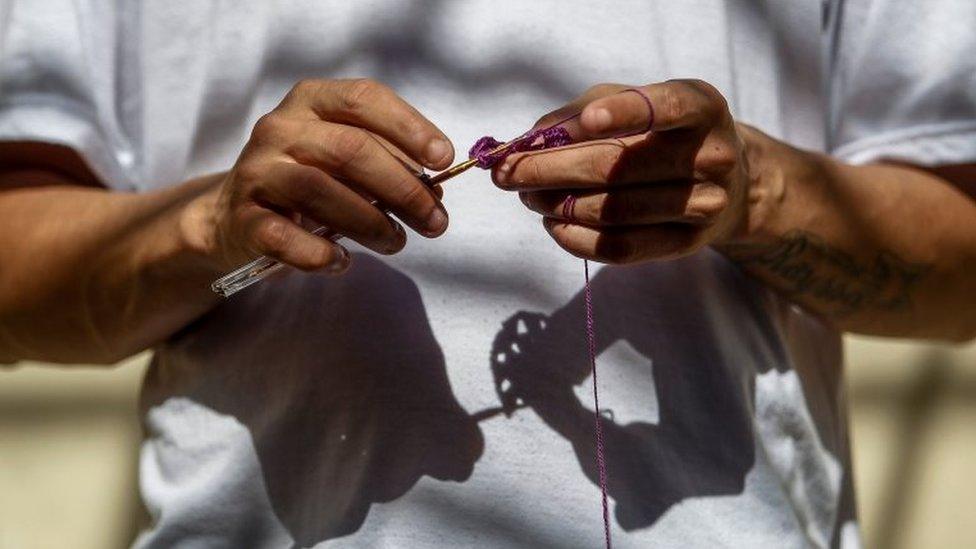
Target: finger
{"points": [[410, 164], [602, 163], [416, 169], [271, 234], [356, 157], [375, 107], [565, 115], [322, 198], [655, 107], [625, 245], [684, 202]]}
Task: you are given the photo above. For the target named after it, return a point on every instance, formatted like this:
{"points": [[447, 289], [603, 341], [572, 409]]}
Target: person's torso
{"points": [[441, 397]]}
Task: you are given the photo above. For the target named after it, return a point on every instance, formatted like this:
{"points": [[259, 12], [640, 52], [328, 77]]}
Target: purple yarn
{"points": [[484, 151], [601, 460], [481, 151], [544, 138]]}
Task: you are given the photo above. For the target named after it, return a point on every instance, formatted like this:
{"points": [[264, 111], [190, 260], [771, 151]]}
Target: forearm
{"points": [[88, 275], [880, 249]]}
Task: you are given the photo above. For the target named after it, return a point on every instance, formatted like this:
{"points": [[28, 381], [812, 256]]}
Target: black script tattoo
{"points": [[808, 266]]}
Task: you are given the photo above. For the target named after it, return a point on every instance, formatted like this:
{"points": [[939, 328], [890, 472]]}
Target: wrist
{"points": [[197, 230], [778, 178]]}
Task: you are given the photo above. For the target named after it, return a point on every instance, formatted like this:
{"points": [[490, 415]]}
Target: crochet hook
{"points": [[264, 266]]}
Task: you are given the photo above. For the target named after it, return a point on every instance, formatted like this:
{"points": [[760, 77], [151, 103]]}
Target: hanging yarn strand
{"points": [[488, 152], [601, 462]]}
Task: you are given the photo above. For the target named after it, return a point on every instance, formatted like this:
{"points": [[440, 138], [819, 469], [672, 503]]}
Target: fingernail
{"points": [[397, 245], [437, 222], [437, 151], [339, 261], [503, 174], [602, 119]]}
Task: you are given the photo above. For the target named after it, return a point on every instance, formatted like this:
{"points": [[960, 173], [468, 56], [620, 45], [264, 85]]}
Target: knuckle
{"points": [[416, 200], [272, 236], [603, 88], [249, 171], [360, 93], [672, 102], [702, 95], [720, 160], [306, 86], [601, 166], [699, 85], [415, 128], [533, 170], [269, 128], [723, 165], [723, 161], [302, 90], [346, 146], [715, 102], [709, 204]]}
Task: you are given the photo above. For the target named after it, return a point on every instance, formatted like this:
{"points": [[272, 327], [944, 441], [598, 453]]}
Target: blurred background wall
{"points": [[69, 440]]}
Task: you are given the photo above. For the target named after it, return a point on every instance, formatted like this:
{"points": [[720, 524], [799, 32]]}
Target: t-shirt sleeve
{"points": [[58, 67], [903, 82]]}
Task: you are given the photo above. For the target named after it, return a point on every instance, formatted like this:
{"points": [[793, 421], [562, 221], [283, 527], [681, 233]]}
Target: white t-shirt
{"points": [[369, 410]]}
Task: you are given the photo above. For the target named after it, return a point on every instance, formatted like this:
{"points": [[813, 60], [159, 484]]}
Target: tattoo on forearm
{"points": [[806, 266]]}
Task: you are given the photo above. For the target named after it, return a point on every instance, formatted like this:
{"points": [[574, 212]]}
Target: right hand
{"points": [[323, 153]]}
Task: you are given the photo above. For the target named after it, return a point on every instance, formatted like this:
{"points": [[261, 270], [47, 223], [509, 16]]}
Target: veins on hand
{"points": [[807, 267]]}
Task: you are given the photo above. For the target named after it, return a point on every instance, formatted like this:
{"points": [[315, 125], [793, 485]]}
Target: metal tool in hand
{"points": [[264, 266]]}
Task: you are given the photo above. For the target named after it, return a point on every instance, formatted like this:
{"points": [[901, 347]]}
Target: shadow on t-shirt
{"points": [[344, 389], [702, 443], [346, 397]]}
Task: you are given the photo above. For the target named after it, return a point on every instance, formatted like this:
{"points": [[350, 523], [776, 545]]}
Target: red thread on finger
{"points": [[650, 107], [569, 207]]}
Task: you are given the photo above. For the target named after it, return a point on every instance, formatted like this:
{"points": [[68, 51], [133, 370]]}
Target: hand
{"points": [[660, 194], [324, 153]]}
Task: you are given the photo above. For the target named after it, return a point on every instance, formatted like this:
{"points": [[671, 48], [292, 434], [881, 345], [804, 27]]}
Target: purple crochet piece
{"points": [[545, 138]]}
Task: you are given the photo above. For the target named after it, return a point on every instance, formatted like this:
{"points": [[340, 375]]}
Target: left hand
{"points": [[661, 194]]}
